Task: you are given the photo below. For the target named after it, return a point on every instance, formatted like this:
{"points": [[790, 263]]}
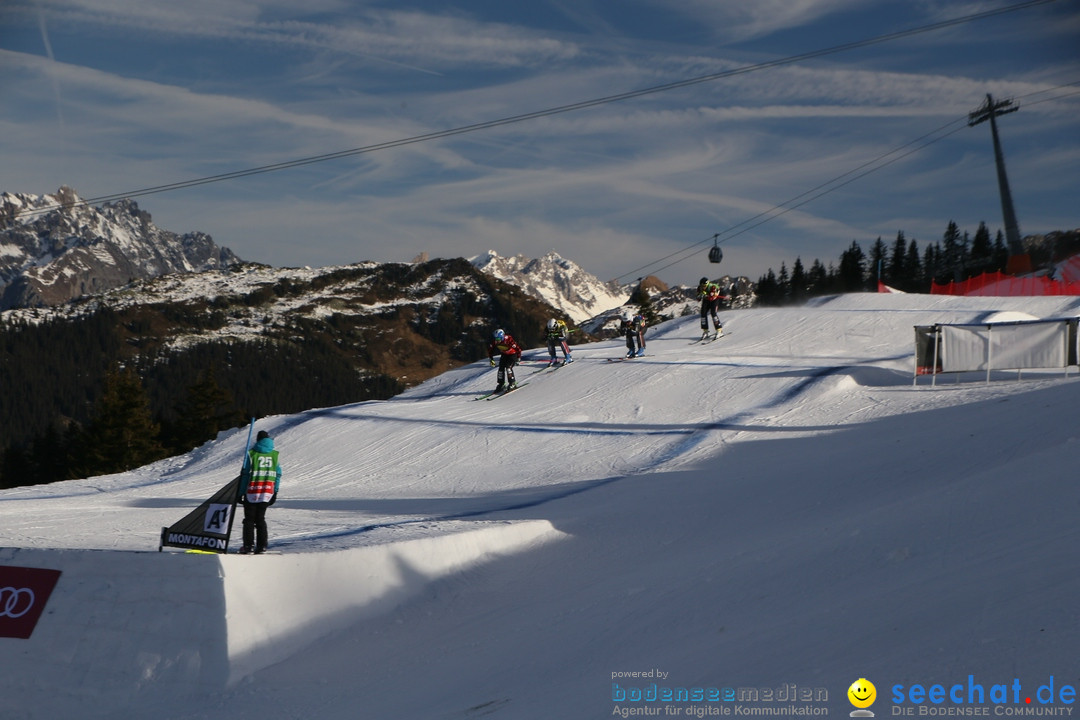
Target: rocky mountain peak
{"points": [[54, 248], [561, 283]]}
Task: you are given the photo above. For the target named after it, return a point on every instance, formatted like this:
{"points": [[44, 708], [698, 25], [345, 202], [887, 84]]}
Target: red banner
{"points": [[23, 594]]}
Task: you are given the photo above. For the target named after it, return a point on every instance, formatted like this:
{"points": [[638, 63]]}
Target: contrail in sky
{"points": [[52, 58]]}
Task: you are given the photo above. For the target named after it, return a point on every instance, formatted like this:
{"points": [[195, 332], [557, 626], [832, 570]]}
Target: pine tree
{"points": [[121, 434], [913, 274], [783, 283], [930, 265], [852, 273], [953, 254], [768, 290], [798, 281], [817, 280], [879, 253], [897, 269], [207, 409], [982, 250]]}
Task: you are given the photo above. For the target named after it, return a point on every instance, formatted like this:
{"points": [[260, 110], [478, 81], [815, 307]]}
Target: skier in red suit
{"points": [[509, 355]]}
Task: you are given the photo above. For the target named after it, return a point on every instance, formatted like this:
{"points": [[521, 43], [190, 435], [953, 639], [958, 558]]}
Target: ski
{"points": [[544, 369], [496, 396], [552, 366], [624, 359], [708, 339], [714, 338]]}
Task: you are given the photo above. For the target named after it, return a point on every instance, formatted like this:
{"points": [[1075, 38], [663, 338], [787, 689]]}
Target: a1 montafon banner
{"points": [[208, 526]]}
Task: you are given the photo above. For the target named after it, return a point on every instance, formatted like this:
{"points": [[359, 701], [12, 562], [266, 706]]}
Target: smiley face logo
{"points": [[862, 693]]}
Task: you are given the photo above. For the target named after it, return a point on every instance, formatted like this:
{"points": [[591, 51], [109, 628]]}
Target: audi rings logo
{"points": [[24, 592], [15, 602]]}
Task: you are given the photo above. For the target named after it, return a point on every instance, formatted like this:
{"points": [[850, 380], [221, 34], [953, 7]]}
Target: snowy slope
{"points": [[782, 507]]}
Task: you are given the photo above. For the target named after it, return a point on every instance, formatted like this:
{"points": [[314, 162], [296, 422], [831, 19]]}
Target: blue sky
{"points": [[112, 96]]}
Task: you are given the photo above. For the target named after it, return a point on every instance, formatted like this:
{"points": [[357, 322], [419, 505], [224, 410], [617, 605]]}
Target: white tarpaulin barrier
{"points": [[1034, 344], [1004, 346]]}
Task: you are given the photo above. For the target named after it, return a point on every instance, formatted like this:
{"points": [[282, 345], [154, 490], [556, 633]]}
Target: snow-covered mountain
{"points": [[350, 332], [444, 301], [55, 247], [559, 282]]}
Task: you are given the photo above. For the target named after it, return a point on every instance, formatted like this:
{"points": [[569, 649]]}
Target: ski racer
{"points": [[509, 355], [557, 335], [633, 327], [710, 295], [260, 480]]}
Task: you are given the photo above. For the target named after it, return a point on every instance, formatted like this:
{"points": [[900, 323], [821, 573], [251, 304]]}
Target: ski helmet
{"points": [[551, 324], [704, 280], [499, 335], [627, 316]]}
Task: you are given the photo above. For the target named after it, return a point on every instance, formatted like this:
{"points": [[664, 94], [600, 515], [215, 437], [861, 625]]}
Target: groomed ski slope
{"points": [[781, 506]]}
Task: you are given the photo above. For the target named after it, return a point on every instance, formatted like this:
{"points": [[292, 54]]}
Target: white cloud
{"points": [[404, 38], [736, 20]]}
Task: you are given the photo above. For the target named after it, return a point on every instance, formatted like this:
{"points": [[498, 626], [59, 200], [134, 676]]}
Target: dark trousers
{"points": [[255, 534], [506, 367], [557, 343], [710, 307]]}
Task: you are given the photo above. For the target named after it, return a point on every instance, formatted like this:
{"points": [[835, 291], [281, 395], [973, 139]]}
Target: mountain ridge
{"points": [[275, 340], [54, 248], [564, 284]]}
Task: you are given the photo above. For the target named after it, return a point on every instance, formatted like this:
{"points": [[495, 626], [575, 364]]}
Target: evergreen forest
{"points": [[903, 265], [76, 404]]}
